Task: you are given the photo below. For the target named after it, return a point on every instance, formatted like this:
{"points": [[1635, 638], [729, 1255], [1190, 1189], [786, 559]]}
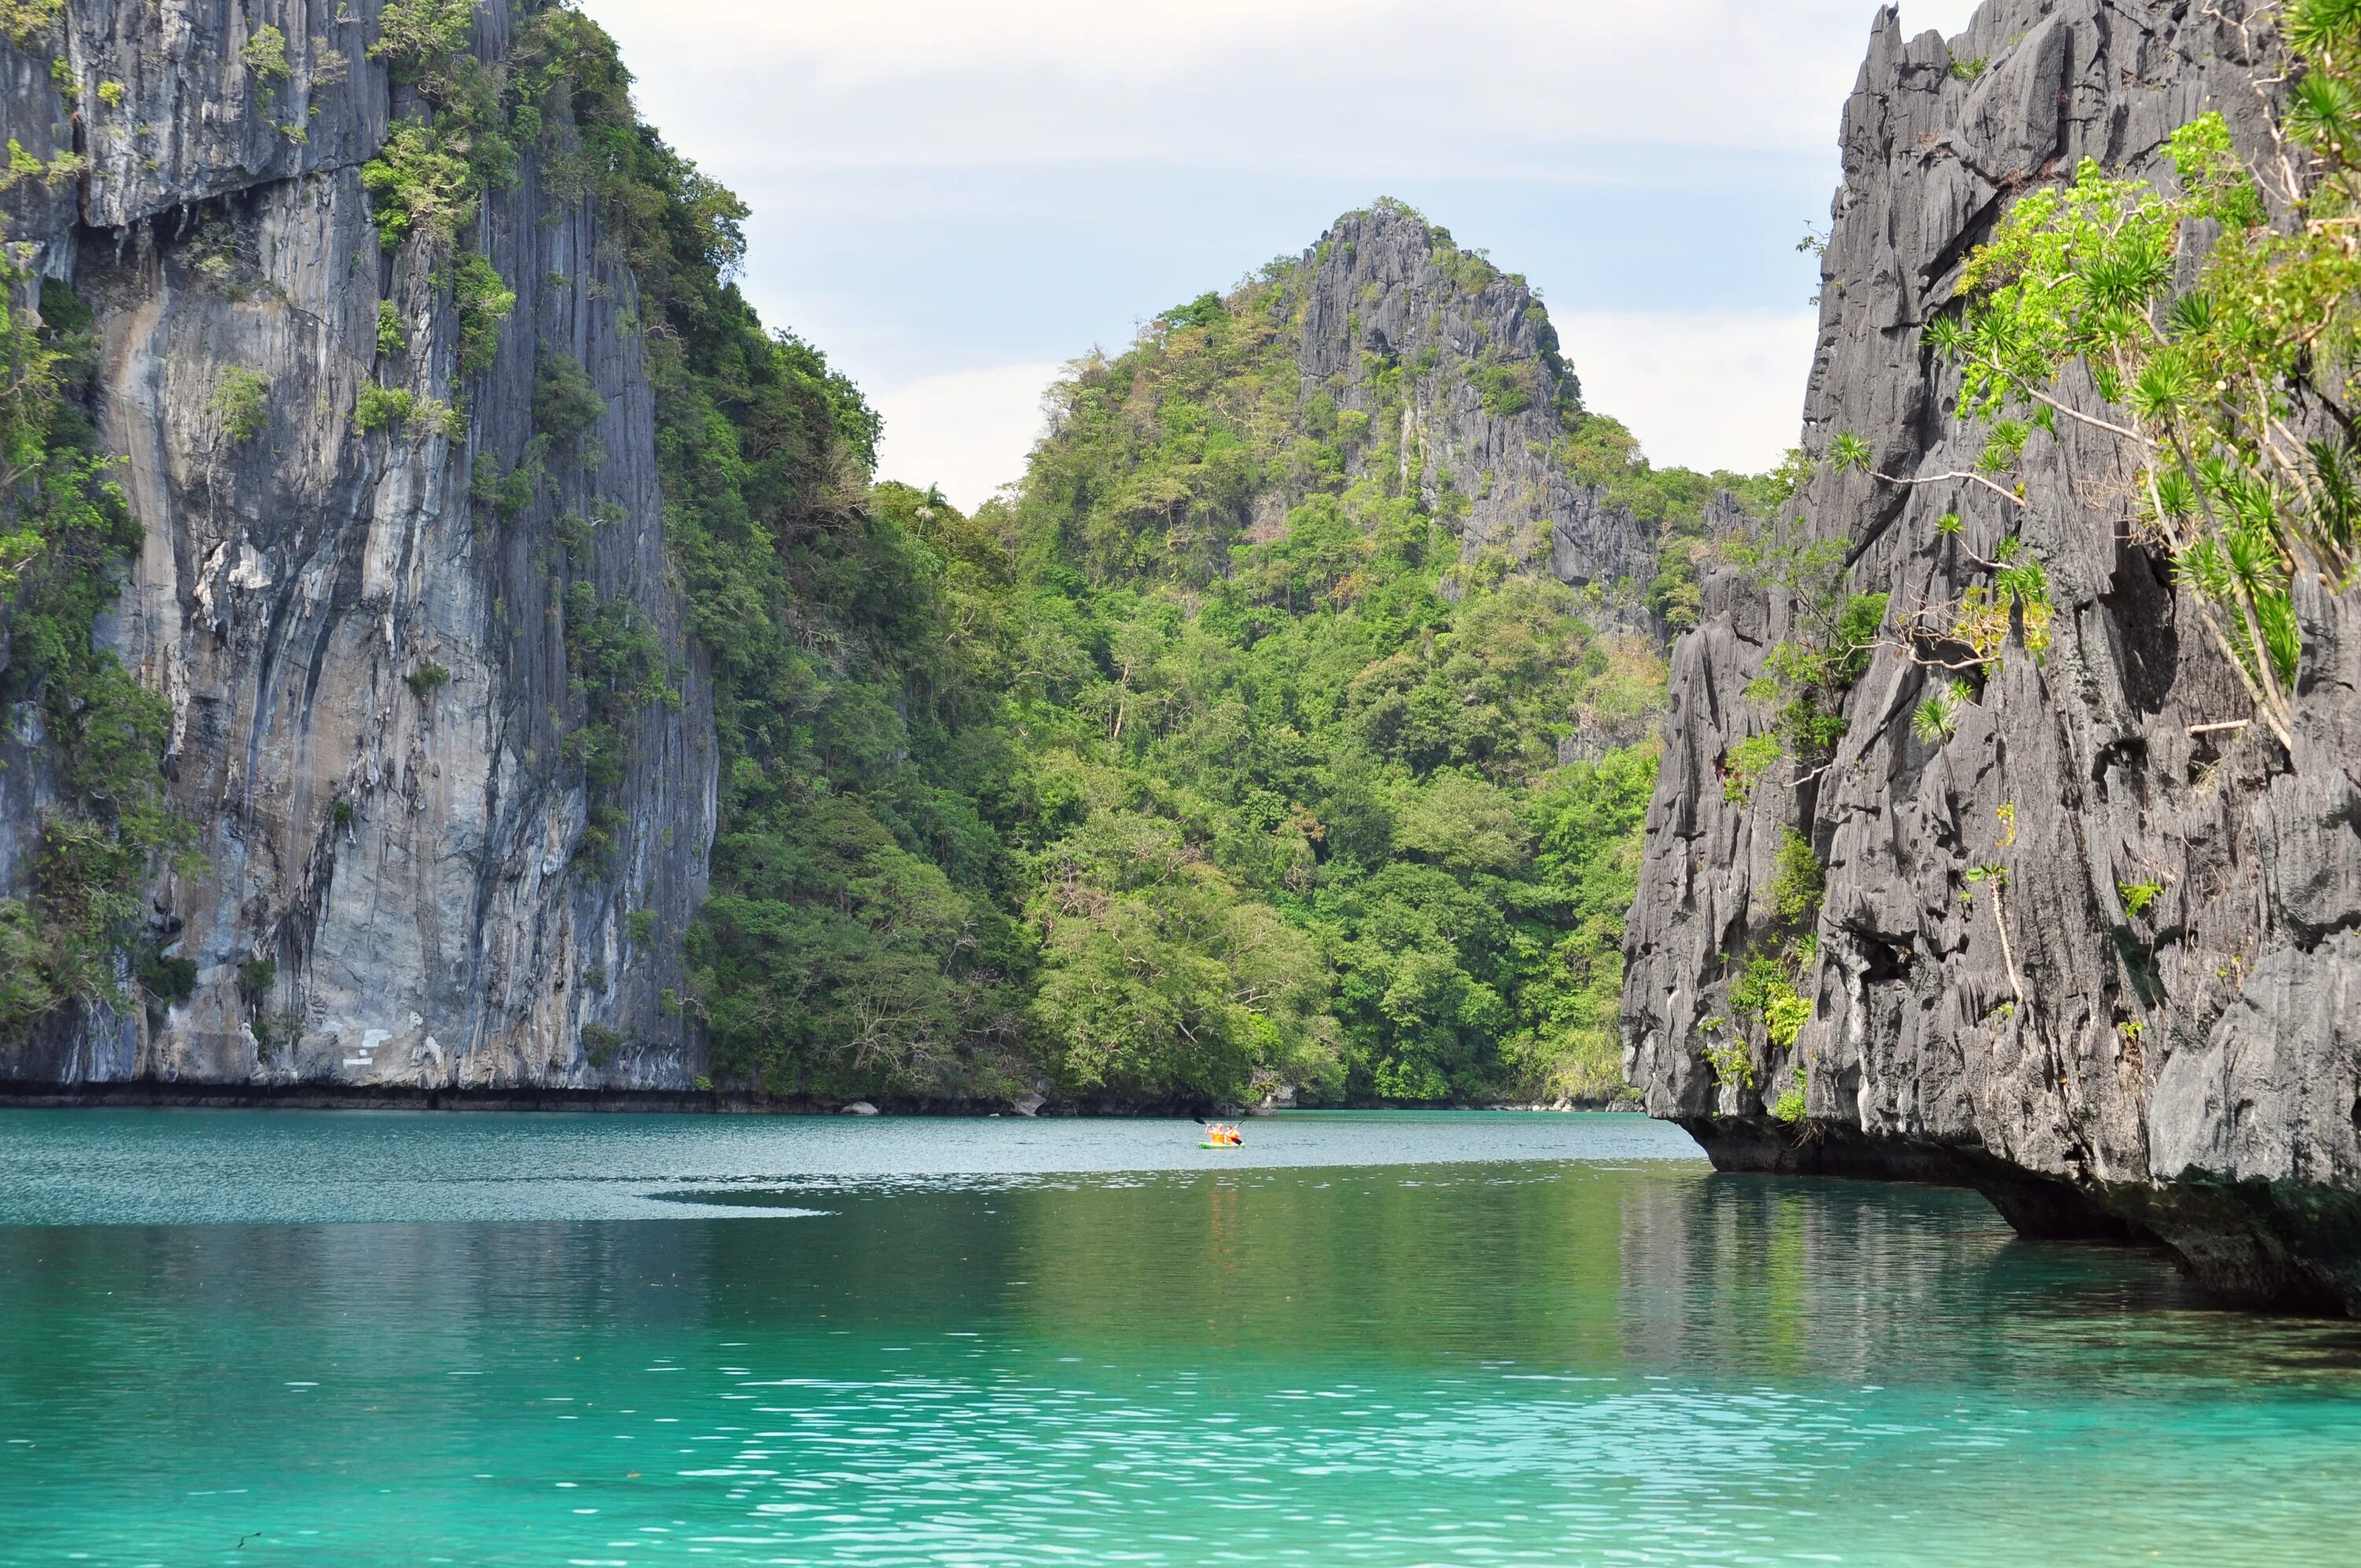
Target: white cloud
{"points": [[952, 195], [898, 40], [966, 430], [1378, 88], [1701, 389]]}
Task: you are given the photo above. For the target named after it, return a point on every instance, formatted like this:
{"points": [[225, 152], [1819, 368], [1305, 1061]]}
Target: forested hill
{"points": [[513, 679], [1295, 757], [1384, 355]]}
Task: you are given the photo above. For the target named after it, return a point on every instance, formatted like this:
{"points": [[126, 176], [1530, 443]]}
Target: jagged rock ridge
{"points": [[2186, 1072]]}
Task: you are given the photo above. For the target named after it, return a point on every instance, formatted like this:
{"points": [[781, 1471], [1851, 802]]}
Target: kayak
{"points": [[1209, 1143]]}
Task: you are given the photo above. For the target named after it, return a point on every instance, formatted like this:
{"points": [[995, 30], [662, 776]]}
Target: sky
{"points": [[953, 198]]}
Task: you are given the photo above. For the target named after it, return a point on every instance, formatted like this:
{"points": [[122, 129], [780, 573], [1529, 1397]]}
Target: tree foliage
{"points": [[2231, 395], [1093, 789], [1349, 734]]}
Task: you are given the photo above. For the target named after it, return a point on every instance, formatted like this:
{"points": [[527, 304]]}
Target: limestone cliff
{"points": [[2180, 1066], [368, 669]]}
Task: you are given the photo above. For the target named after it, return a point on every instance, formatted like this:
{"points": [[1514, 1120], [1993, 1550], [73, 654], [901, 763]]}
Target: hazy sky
{"points": [[952, 199]]}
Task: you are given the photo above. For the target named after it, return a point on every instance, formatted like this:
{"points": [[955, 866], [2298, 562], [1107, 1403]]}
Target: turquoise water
{"points": [[1475, 1339]]}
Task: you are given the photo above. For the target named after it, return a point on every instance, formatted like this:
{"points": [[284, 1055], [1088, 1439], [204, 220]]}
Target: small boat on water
{"points": [[1223, 1135]]}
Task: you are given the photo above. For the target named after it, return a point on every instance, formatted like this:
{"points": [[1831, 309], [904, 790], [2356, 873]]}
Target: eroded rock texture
{"points": [[403, 847], [2186, 1071]]}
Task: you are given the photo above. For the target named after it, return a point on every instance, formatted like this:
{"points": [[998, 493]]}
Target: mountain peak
{"points": [[1384, 359]]}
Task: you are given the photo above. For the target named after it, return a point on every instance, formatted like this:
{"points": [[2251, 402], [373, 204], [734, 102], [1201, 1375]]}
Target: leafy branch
{"points": [[2231, 399]]}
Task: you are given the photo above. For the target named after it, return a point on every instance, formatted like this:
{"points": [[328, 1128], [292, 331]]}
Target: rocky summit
{"points": [[1488, 392]]}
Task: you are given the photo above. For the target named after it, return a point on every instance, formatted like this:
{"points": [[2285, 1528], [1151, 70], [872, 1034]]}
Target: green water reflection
{"points": [[1472, 1363]]}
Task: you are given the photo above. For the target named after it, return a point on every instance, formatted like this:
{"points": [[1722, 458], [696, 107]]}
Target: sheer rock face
{"points": [[2185, 1071], [1385, 289], [403, 847]]}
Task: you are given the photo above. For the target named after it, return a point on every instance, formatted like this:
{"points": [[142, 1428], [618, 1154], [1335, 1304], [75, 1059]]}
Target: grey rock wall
{"points": [[405, 854], [2187, 1074]]}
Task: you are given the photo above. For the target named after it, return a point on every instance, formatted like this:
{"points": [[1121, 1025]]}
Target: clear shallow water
{"points": [[1388, 1340]]}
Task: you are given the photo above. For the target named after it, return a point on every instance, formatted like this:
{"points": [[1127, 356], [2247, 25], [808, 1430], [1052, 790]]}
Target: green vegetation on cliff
{"points": [[1102, 790], [1328, 728], [862, 931], [65, 532], [2217, 329]]}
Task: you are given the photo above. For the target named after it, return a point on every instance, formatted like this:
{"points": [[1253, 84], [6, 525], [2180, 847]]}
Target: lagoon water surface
{"points": [[1390, 1339]]}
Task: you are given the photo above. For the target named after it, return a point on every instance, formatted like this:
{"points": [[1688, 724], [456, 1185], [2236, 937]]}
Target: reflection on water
{"points": [[1516, 1362], [261, 1166]]}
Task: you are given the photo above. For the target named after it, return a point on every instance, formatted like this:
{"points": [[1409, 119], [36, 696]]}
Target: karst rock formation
{"points": [[2177, 1065]]}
